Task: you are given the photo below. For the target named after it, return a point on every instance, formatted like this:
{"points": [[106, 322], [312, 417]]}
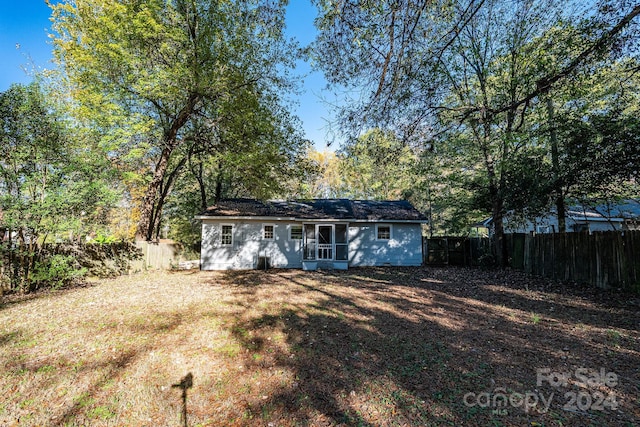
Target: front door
{"points": [[325, 242]]}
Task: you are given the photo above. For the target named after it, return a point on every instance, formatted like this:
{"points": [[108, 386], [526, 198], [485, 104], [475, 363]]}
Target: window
{"points": [[545, 229], [342, 251], [295, 232], [267, 232], [309, 241], [227, 234], [383, 232]]}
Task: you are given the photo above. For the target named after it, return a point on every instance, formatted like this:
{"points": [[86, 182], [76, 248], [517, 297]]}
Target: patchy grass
{"points": [[365, 347]]}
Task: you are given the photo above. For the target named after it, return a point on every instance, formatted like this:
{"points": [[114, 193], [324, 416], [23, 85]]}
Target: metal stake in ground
{"points": [[184, 384]]}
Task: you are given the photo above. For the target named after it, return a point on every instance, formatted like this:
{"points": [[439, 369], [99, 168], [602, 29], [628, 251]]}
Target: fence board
{"points": [[160, 255], [603, 259], [456, 250], [517, 241], [436, 251]]}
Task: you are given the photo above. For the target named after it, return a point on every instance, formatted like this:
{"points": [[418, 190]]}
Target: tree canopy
{"points": [[468, 108], [162, 77], [490, 84], [48, 188]]}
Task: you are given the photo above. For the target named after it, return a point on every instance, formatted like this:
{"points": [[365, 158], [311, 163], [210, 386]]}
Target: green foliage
{"points": [[59, 265], [182, 84], [103, 260], [51, 184], [104, 239], [600, 141], [325, 178], [378, 165], [469, 80], [183, 228], [55, 272]]}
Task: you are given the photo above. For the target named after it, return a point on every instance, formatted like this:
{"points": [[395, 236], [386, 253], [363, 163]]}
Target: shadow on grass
{"points": [[404, 347], [11, 299], [111, 366], [10, 337], [511, 289]]}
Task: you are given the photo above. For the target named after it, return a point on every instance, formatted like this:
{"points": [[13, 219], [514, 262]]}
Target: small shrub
{"points": [[55, 272], [614, 337], [101, 412]]}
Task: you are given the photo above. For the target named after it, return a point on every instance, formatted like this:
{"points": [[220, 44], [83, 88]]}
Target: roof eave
{"points": [[244, 218], [592, 219], [272, 218]]}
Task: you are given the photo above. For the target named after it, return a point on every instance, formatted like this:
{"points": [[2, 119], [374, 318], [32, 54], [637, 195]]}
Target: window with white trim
{"points": [[226, 237], [383, 232], [267, 231], [295, 232]]}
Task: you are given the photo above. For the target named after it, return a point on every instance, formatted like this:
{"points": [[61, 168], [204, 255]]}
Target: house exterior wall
{"points": [[612, 216], [247, 245], [549, 224], [404, 248]]}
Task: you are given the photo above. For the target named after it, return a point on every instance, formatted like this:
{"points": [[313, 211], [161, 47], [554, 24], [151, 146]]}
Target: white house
{"points": [[325, 233], [614, 216]]}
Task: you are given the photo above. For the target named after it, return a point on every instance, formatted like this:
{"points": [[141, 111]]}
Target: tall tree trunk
{"points": [[146, 223], [497, 209], [203, 188], [495, 193], [219, 178], [558, 184], [198, 173], [165, 189], [430, 211]]}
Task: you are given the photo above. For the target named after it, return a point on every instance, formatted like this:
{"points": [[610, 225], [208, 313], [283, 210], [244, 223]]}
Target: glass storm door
{"points": [[325, 242]]}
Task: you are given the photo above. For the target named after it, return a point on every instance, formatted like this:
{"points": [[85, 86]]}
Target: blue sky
{"points": [[25, 47]]}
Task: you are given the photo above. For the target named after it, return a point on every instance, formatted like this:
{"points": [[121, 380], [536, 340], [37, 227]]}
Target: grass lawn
{"points": [[364, 347]]}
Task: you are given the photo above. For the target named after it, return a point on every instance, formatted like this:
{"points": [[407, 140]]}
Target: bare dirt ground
{"points": [[364, 347]]}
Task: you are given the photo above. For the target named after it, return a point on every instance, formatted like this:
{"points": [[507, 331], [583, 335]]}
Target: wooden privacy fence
{"points": [[460, 251], [159, 255], [604, 259], [608, 259]]}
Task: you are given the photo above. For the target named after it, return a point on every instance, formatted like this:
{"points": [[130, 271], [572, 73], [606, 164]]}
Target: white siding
{"points": [[403, 249], [248, 245], [549, 224]]}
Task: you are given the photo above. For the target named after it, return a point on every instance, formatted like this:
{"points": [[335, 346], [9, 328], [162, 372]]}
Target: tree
{"points": [[377, 165], [467, 73], [151, 72], [260, 159], [601, 157], [325, 178], [582, 131], [49, 186]]}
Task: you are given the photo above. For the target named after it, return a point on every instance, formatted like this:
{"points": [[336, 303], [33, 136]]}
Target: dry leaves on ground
{"points": [[364, 347]]}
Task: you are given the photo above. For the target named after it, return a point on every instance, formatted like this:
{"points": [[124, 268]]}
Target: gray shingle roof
{"points": [[338, 209]]}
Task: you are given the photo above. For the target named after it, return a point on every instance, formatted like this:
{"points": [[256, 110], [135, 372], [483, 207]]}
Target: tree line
{"points": [[468, 108], [156, 110], [522, 104]]}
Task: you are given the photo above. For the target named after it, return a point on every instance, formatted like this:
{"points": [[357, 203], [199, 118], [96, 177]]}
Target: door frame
{"points": [[332, 249]]}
